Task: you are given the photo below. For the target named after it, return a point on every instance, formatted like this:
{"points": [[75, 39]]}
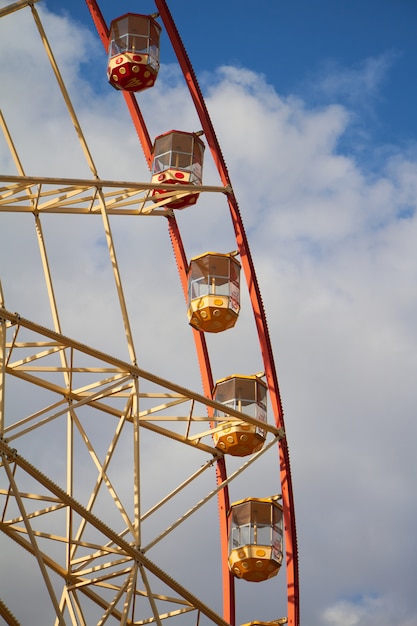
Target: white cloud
{"points": [[334, 249], [357, 84], [367, 611]]}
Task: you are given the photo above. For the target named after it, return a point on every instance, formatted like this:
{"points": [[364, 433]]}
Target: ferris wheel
{"points": [[117, 485]]}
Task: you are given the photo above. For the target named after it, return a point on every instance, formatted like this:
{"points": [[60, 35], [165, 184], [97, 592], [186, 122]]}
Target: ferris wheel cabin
{"points": [[256, 538], [213, 291], [177, 158], [133, 54], [246, 394]]}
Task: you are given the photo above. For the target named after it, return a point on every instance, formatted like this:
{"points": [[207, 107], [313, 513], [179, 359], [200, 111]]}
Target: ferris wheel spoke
{"points": [[64, 91], [9, 454], [40, 238]]}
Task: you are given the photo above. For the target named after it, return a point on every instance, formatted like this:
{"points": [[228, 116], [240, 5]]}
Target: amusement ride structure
{"points": [[101, 533]]}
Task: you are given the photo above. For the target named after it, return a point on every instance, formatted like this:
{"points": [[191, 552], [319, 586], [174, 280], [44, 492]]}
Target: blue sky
{"points": [[297, 44], [314, 106]]}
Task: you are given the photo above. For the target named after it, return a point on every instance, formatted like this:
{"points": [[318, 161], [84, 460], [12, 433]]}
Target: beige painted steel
{"points": [[11, 8], [26, 194], [23, 368], [9, 456], [110, 378], [77, 380]]}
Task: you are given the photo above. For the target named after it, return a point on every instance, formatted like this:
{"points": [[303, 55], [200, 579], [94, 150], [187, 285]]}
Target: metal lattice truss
{"points": [[25, 194], [98, 550]]}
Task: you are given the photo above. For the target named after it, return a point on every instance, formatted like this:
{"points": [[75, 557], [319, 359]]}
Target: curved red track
{"points": [[199, 338]]}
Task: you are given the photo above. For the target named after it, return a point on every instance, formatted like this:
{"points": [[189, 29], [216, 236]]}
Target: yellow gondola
{"points": [[246, 394], [213, 291], [256, 538]]}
